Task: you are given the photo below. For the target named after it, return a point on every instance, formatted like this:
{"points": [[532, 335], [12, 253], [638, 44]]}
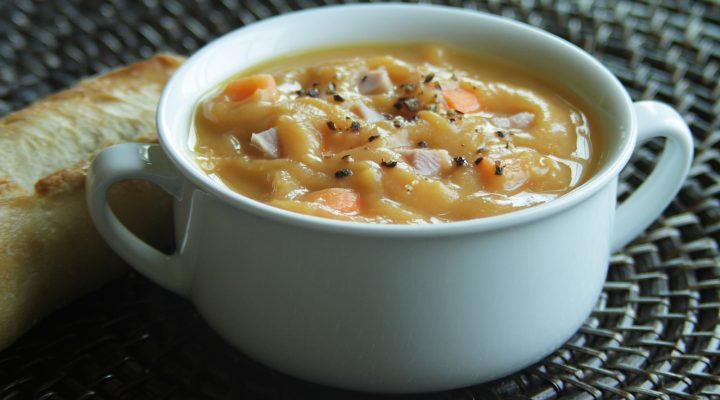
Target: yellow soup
{"points": [[393, 134]]}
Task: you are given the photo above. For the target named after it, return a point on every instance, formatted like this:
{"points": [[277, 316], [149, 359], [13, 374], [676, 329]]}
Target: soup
{"points": [[412, 133]]}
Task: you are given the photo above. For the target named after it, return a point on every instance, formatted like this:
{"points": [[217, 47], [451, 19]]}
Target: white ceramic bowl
{"points": [[392, 308]]}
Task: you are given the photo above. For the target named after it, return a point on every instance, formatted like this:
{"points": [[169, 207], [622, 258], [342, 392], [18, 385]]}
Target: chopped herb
{"points": [[338, 98], [313, 92], [507, 145], [437, 86], [331, 125], [389, 164], [500, 134], [460, 161], [499, 168], [431, 107], [373, 137], [355, 126], [343, 172], [454, 77], [422, 144], [478, 160], [429, 77], [331, 89]]}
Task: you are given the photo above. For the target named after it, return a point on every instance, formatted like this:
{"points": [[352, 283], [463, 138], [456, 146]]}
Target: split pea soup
{"points": [[412, 133]]}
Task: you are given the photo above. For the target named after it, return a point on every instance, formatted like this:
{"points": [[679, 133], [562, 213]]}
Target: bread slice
{"points": [[50, 252]]}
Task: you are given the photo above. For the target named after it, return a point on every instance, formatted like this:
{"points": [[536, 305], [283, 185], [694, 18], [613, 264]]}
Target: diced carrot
{"points": [[345, 201], [486, 167], [242, 88], [503, 176], [461, 100]]}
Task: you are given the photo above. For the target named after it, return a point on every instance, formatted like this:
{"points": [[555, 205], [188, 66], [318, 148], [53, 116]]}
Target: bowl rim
{"points": [[483, 224]]}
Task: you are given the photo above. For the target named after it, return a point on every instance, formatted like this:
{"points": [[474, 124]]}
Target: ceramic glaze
{"points": [[392, 308]]}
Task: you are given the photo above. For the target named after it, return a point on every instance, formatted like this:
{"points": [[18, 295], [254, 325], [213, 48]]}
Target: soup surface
{"points": [[393, 134]]}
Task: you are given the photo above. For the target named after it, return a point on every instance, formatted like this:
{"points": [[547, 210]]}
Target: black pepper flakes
{"points": [[408, 87], [346, 157], [343, 172], [355, 126], [422, 144], [300, 93], [338, 98], [387, 116], [364, 78], [499, 168], [460, 161], [500, 134], [389, 164], [479, 160], [411, 103], [373, 137], [313, 92], [331, 89], [480, 150], [331, 125], [429, 77]]}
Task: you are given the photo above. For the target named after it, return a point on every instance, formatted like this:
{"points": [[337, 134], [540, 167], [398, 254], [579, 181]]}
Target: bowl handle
{"points": [[135, 161], [655, 119]]}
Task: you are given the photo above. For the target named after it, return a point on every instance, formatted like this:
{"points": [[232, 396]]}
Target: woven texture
{"points": [[655, 331]]}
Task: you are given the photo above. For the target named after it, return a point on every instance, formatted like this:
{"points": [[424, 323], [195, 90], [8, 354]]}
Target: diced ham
{"points": [[428, 162], [521, 120], [375, 81], [366, 113], [267, 142]]}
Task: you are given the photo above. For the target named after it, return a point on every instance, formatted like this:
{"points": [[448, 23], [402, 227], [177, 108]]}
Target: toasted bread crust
{"points": [[67, 127], [50, 252]]}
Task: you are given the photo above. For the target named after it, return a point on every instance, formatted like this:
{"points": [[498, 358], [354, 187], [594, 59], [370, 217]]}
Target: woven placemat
{"points": [[655, 331]]}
